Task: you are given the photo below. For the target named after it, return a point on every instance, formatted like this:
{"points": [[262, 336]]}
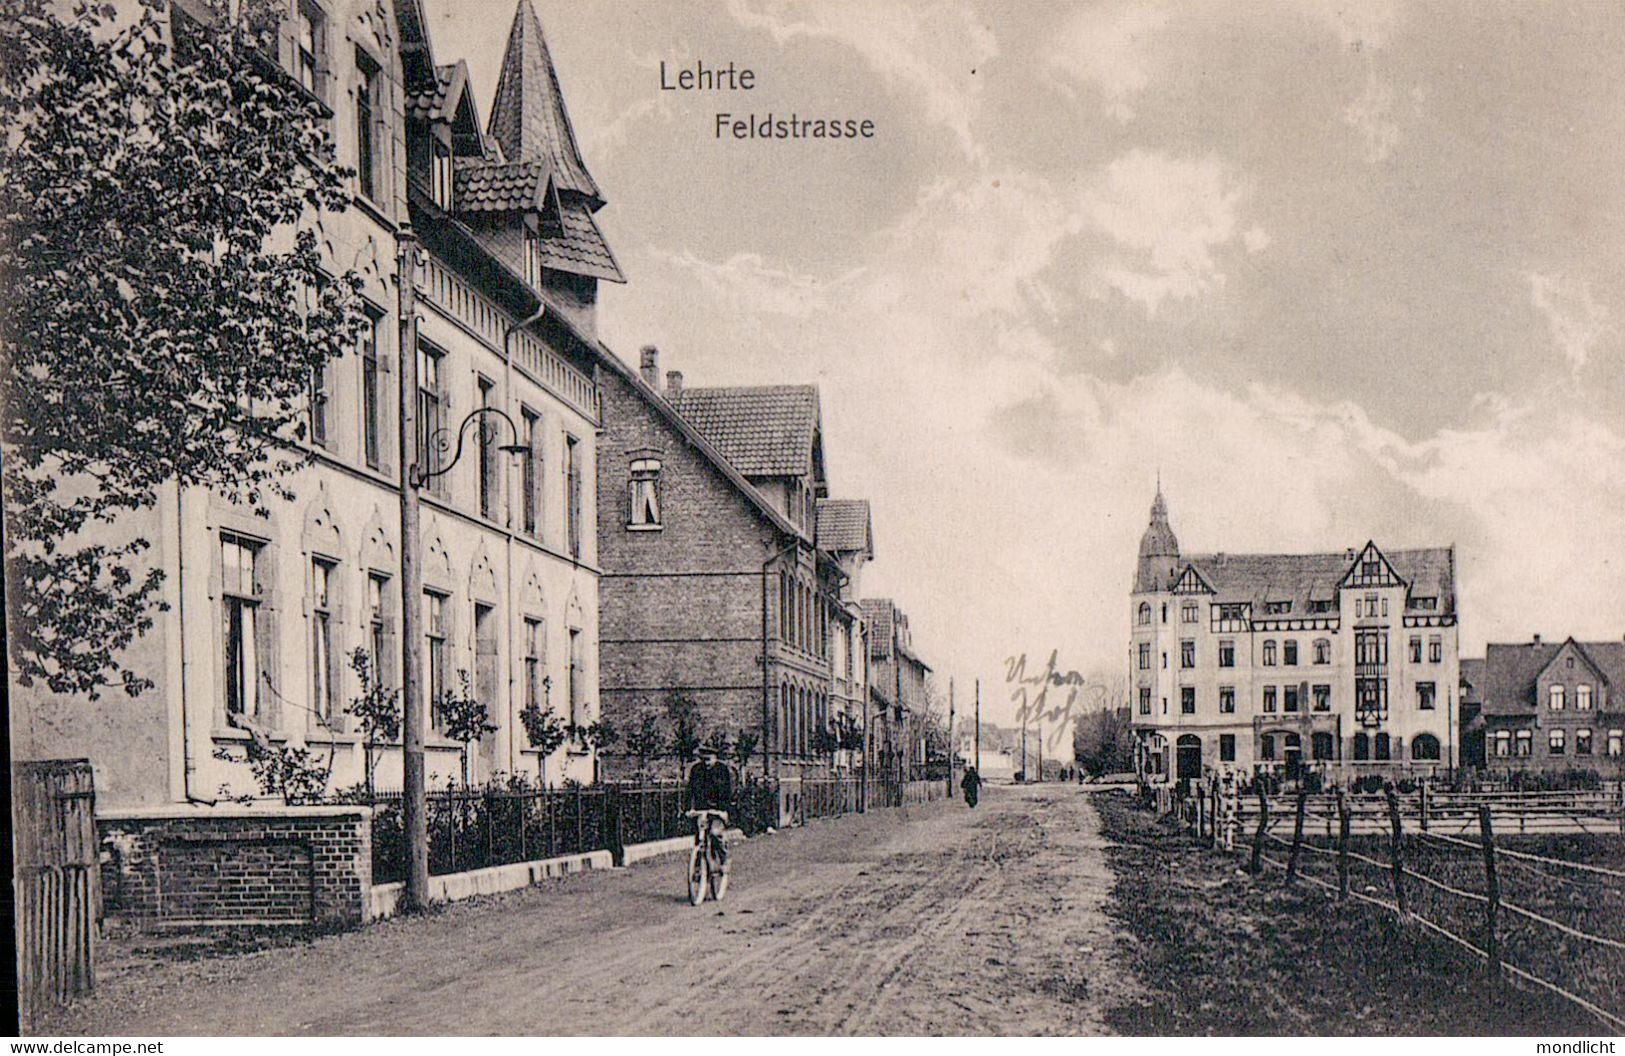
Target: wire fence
{"points": [[1554, 921]]}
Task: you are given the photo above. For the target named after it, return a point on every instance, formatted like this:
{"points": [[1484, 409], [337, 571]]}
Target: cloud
{"points": [[1577, 322], [1362, 27], [746, 282], [1165, 216], [1372, 116], [1106, 49], [989, 439], [930, 51]]}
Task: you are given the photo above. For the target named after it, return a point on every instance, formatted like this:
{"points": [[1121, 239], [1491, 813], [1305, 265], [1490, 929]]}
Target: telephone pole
{"points": [[1025, 776], [413, 798], [950, 738], [978, 727]]}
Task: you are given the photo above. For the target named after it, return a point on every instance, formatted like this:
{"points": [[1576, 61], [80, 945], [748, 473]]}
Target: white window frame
{"points": [[643, 485]]}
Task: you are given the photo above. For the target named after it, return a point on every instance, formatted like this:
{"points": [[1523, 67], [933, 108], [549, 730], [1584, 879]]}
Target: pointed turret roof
{"points": [[528, 117], [1159, 539]]}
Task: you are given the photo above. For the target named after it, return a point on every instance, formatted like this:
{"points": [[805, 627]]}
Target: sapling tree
{"points": [[377, 710], [465, 719], [545, 731], [745, 744], [685, 727], [647, 741]]}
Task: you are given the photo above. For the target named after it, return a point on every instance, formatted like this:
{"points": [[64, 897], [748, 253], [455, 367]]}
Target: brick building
{"points": [[1552, 706], [264, 608], [1252, 661], [708, 506], [898, 690]]}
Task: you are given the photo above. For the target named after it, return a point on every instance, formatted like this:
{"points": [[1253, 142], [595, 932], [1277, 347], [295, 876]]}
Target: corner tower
{"points": [[1159, 551]]}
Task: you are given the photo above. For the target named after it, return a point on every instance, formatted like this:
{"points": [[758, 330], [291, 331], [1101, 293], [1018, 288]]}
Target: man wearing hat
{"points": [[710, 787]]}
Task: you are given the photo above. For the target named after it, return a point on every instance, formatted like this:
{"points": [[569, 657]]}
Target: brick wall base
{"points": [[236, 865]]}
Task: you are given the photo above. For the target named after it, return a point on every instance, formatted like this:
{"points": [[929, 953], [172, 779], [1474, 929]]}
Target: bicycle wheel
{"points": [[696, 876], [717, 867]]}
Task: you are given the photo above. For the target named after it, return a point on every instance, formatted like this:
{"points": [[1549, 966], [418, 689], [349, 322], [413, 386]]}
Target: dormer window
{"points": [[440, 175], [533, 258], [1277, 608]]}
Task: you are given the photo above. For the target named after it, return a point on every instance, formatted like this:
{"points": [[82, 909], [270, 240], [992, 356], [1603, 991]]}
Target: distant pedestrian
{"points": [[972, 784]]}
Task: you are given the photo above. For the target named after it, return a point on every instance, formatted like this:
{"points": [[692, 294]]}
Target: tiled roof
{"points": [[528, 117], [1472, 680], [499, 187], [877, 613], [844, 526], [634, 381], [764, 431], [1298, 578], [581, 249], [1510, 672], [435, 101]]}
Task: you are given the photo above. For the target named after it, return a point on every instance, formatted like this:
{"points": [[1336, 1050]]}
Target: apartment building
{"points": [[1344, 660]]}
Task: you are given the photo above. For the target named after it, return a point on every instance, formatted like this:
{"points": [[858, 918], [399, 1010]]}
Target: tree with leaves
{"points": [[684, 714], [377, 710], [544, 730], [166, 304], [1103, 742], [745, 745], [647, 741], [464, 717]]}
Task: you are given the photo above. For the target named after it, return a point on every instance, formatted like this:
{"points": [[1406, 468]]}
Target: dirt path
{"points": [[930, 919]]}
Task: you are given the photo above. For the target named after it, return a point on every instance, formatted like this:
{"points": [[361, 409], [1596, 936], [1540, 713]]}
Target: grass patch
{"points": [[1221, 952]]}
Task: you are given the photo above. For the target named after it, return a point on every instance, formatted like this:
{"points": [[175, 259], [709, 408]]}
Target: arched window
{"points": [[1323, 651], [1269, 653], [1145, 613], [1383, 753], [1362, 747], [1425, 746]]}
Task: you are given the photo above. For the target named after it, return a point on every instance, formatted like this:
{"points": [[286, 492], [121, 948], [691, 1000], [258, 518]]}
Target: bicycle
{"points": [[708, 862]]}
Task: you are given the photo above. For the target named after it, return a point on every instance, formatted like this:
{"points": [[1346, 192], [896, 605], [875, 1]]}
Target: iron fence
{"points": [[482, 827]]}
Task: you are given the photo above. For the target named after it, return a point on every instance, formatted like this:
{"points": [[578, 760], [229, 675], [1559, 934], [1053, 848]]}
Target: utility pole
{"points": [[950, 738], [413, 798], [1040, 746], [978, 752], [1025, 776]]}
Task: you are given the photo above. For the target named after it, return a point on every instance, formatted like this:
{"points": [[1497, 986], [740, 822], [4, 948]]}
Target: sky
{"points": [[1336, 272]]}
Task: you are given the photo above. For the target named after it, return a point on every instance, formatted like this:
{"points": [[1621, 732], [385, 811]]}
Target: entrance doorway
{"points": [[1188, 757]]}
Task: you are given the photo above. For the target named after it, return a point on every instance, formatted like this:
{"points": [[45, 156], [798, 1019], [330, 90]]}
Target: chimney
{"points": [[1537, 639], [650, 367], [674, 384], [1349, 554]]}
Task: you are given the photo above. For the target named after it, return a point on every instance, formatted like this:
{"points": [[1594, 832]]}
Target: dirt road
{"points": [[929, 919]]}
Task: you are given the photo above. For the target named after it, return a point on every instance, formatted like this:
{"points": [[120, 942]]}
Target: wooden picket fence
{"points": [[58, 887]]}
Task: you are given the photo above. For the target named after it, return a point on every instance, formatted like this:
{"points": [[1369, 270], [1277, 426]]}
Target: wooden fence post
{"points": [[1423, 793], [1263, 823], [1342, 846], [1297, 838], [1492, 889], [1395, 846], [1214, 812]]}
